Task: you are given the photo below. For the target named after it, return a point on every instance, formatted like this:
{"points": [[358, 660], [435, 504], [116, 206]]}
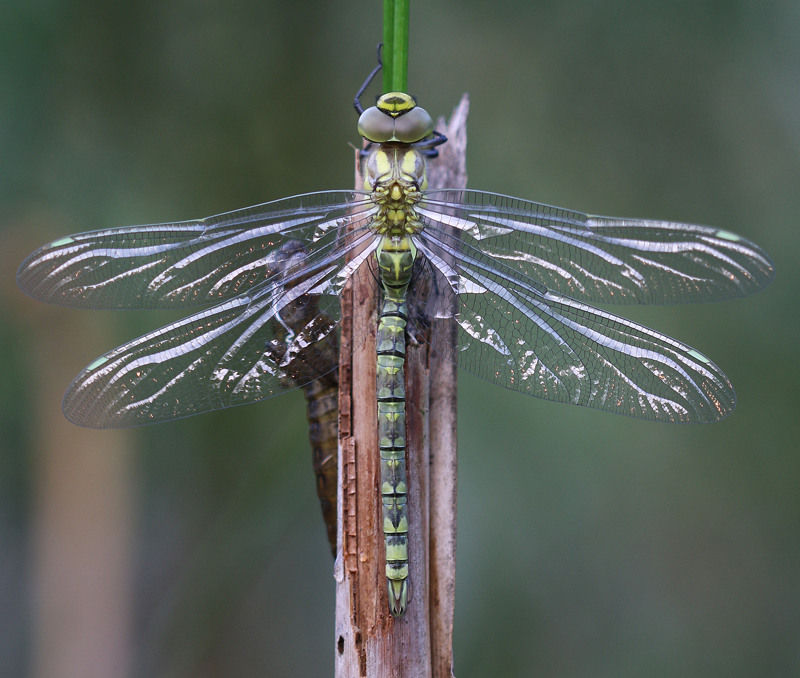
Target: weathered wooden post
{"points": [[369, 641]]}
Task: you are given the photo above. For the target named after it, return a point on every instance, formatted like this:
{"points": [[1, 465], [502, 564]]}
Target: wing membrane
{"points": [[185, 264], [512, 274], [234, 353], [514, 332], [601, 259]]}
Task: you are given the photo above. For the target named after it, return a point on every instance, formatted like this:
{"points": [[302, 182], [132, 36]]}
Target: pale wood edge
{"points": [[449, 171]]}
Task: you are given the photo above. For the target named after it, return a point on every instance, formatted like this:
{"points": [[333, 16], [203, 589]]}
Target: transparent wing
{"points": [[241, 351], [189, 263], [600, 259], [514, 332]]}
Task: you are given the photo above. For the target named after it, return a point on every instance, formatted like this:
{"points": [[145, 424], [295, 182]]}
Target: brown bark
{"points": [[369, 641]]}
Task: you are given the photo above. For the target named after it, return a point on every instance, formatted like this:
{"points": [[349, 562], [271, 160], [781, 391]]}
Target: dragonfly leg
{"points": [[428, 145], [357, 102]]}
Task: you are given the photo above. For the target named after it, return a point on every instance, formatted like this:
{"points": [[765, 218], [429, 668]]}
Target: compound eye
{"points": [[413, 126], [375, 125]]}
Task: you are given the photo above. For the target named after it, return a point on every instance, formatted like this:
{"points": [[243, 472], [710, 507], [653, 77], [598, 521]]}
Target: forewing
{"points": [[189, 263], [602, 259], [514, 332]]}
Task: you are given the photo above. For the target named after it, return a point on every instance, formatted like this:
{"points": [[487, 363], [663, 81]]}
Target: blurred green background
{"points": [[589, 544]]}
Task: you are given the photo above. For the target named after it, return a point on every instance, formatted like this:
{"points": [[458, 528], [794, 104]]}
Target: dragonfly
{"points": [[518, 278]]}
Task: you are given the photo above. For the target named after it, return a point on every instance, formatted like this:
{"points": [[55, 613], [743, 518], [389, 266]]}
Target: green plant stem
{"points": [[395, 45], [388, 44]]}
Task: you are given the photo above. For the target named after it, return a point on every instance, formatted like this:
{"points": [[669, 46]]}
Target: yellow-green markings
{"points": [[96, 363], [395, 257], [727, 235], [699, 356], [391, 349], [63, 241]]}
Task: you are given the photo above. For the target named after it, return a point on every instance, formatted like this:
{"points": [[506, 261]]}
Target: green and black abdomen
{"points": [[395, 260]]}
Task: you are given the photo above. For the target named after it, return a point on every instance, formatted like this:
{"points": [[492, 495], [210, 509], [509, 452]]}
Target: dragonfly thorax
{"points": [[395, 175]]}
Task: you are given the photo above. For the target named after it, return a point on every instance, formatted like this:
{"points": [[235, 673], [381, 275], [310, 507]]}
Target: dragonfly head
{"points": [[396, 117]]}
